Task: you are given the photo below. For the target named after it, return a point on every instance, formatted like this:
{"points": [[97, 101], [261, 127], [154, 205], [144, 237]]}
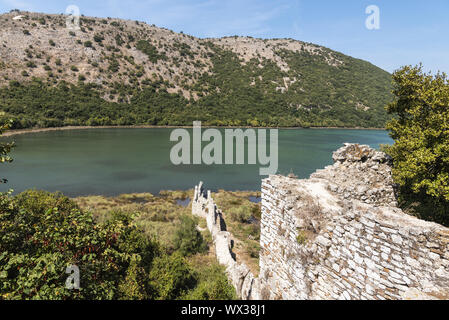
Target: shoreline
{"points": [[158, 194], [15, 132]]}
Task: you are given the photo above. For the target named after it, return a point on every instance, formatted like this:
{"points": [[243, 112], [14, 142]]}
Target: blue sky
{"points": [[410, 31]]}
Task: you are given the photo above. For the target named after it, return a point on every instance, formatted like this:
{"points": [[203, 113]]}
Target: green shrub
{"points": [[132, 287], [188, 240], [5, 147], [118, 40], [98, 38], [240, 214], [302, 237], [31, 64], [150, 50], [215, 286], [38, 202], [114, 66], [421, 140], [171, 277], [41, 234]]}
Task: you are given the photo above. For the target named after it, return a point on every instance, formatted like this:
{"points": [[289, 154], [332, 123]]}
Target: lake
{"points": [[123, 160]]}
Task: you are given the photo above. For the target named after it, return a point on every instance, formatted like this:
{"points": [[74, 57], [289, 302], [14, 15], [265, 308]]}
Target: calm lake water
{"points": [[115, 161]]}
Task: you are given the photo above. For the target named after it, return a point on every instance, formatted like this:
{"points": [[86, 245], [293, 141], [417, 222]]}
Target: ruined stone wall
{"points": [[246, 285], [339, 235]]}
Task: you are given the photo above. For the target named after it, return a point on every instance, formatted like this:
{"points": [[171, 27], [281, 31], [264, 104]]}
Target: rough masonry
{"points": [[246, 285], [338, 235]]}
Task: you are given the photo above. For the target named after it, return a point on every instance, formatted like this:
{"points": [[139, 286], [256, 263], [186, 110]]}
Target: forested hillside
{"points": [[121, 72]]}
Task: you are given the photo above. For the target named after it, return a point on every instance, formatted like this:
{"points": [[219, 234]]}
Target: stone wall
{"points": [[246, 285], [339, 235]]}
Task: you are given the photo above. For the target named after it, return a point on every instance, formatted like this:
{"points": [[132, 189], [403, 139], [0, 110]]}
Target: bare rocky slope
{"points": [[226, 81]]}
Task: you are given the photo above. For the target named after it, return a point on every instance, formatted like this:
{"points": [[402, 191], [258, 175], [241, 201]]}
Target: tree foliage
{"points": [[188, 240], [421, 133], [42, 233], [311, 92], [171, 276], [5, 147], [214, 286], [150, 50]]}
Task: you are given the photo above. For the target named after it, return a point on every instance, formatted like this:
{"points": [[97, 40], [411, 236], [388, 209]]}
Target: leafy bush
{"points": [[421, 133], [171, 277], [132, 287], [188, 240], [98, 38], [38, 202], [31, 64], [41, 234], [150, 50], [184, 49], [241, 214], [302, 236], [118, 40], [213, 285], [5, 147], [114, 66]]}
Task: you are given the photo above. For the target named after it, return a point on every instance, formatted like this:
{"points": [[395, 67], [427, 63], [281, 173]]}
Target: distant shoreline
{"points": [[37, 130]]}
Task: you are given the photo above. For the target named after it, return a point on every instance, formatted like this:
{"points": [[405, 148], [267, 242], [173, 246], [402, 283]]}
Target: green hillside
{"points": [[120, 72]]}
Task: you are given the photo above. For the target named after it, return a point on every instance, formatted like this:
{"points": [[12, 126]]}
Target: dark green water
{"points": [[115, 161]]}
